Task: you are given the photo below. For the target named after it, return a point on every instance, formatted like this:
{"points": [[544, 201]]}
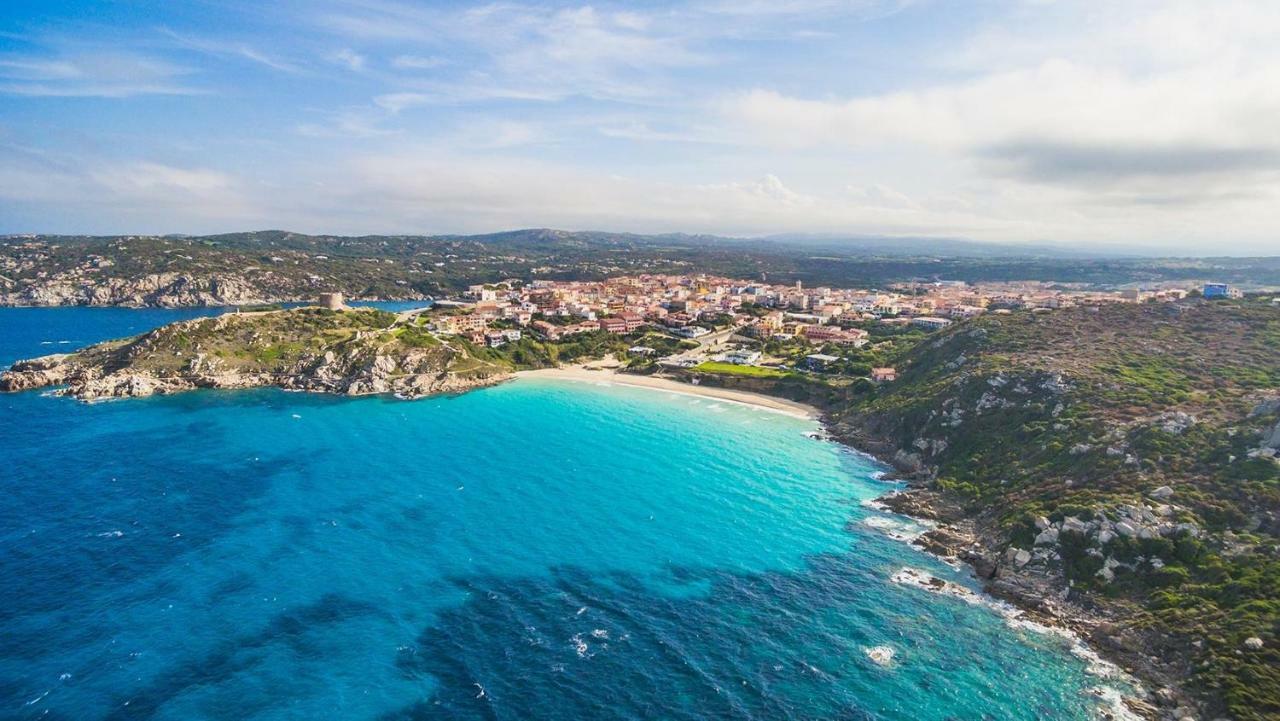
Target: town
{"points": [[725, 325]]}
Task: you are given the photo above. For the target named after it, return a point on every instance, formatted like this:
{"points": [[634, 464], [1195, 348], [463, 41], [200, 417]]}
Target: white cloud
{"points": [[418, 62], [349, 58], [92, 74], [396, 102]]}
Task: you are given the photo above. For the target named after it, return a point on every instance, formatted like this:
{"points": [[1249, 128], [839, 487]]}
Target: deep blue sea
{"points": [[538, 550]]}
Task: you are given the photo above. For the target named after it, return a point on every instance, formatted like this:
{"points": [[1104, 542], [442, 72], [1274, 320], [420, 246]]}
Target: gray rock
{"points": [[1162, 493], [1074, 525], [1253, 643], [1124, 528], [1042, 523], [1048, 536]]}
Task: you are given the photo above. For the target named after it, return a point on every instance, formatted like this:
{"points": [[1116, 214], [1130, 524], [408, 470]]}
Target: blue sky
{"points": [[1125, 124]]}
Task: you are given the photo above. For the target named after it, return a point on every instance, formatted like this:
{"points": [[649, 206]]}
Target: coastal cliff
{"points": [[353, 352]]}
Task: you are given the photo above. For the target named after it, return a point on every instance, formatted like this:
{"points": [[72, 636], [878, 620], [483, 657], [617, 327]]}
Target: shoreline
{"points": [[582, 374], [1071, 622]]}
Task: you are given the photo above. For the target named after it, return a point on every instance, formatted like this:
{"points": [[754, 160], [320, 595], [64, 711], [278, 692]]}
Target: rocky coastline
{"points": [[1026, 581], [323, 374]]}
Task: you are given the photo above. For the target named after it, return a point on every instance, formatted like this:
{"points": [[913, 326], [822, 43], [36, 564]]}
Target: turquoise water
{"points": [[542, 549]]}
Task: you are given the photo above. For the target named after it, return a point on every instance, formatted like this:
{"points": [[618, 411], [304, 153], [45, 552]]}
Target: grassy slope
{"points": [[1065, 414]]}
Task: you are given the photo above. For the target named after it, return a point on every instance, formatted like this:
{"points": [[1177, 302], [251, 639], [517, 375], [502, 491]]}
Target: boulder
{"points": [[1162, 493], [1124, 528], [1253, 643], [1048, 536], [1017, 556], [1074, 525], [1042, 523]]}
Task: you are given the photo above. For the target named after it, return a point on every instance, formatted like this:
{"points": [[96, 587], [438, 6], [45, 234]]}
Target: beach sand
{"points": [[606, 375]]}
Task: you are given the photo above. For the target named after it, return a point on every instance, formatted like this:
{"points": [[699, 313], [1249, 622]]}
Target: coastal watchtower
{"points": [[332, 301]]}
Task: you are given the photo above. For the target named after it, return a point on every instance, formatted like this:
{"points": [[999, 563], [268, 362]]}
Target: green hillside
{"points": [[1128, 450]]}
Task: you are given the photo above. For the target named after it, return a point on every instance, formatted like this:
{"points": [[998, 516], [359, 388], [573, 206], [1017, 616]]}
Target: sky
{"points": [[1118, 124]]}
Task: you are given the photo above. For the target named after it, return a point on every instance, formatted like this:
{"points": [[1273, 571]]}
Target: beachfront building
{"points": [[742, 357]]}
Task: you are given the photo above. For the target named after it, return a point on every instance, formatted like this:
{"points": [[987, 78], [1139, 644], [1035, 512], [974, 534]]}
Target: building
{"points": [[1221, 290], [634, 321], [332, 301], [613, 325], [830, 334], [461, 324], [929, 322], [690, 331], [742, 357], [884, 375]]}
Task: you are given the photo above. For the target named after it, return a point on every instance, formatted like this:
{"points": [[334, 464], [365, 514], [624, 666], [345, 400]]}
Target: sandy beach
{"points": [[607, 375]]}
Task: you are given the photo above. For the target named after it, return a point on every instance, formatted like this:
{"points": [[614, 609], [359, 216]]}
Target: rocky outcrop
{"points": [[36, 373], [328, 374]]}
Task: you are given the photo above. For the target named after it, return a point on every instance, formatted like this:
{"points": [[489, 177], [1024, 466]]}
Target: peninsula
{"points": [[350, 351]]}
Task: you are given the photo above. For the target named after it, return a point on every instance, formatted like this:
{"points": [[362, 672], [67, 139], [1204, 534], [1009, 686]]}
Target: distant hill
{"points": [[279, 265]]}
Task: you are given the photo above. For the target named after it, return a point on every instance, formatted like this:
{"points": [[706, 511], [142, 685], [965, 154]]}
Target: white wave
{"points": [[111, 534], [580, 646], [880, 655], [599, 633], [1112, 704], [900, 529], [1016, 619]]}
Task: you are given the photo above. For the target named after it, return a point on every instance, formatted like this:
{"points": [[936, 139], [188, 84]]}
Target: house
{"points": [[641, 350], [819, 361], [884, 375], [929, 322], [1221, 290]]}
